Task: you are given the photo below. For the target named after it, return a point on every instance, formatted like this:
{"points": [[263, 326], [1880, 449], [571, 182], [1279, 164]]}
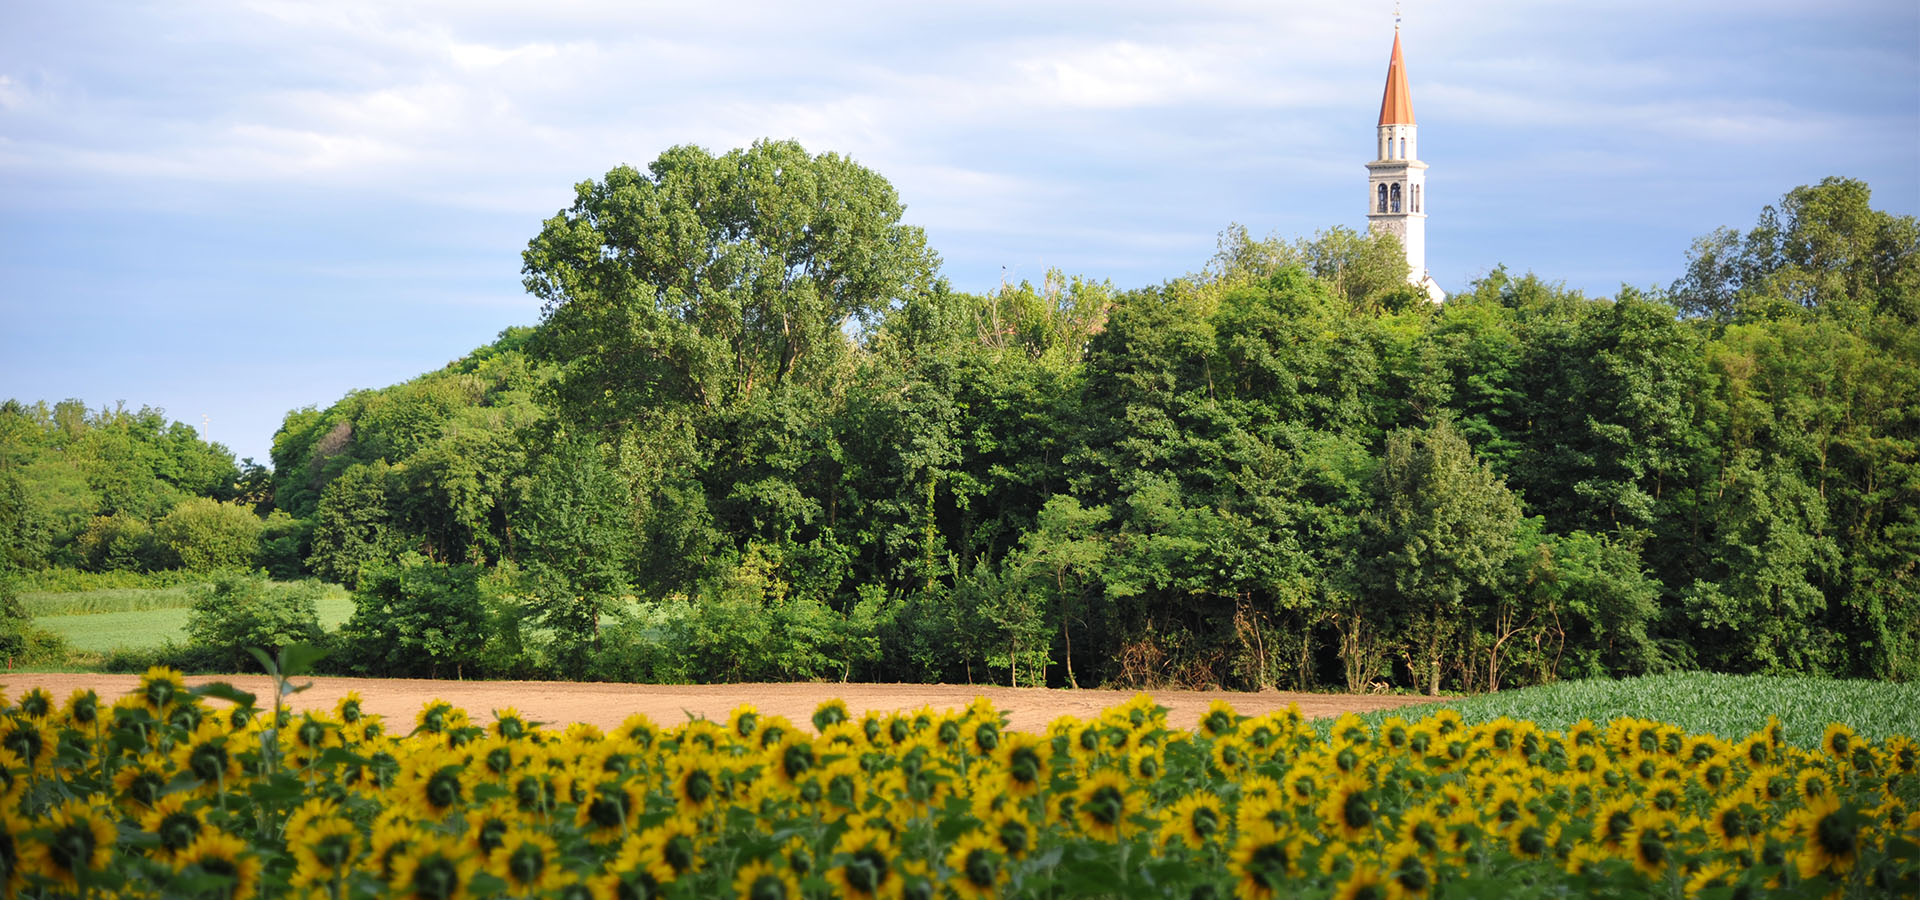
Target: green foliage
{"points": [[417, 618], [203, 535], [240, 613], [71, 581], [574, 542], [119, 542], [1731, 706], [1437, 543], [284, 544], [756, 436], [110, 600], [69, 464], [706, 279], [1823, 249], [353, 526]]}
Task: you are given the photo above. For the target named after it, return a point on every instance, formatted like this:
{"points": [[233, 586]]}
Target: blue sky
{"points": [[233, 209]]}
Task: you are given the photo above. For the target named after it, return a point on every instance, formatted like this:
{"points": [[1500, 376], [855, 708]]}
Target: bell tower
{"points": [[1397, 179]]}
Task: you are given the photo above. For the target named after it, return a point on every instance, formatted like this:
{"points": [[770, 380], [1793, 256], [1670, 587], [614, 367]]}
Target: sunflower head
{"points": [[830, 713], [224, 857], [977, 862], [759, 880], [1266, 861], [78, 842], [1348, 811], [866, 866], [434, 867], [1101, 806]]}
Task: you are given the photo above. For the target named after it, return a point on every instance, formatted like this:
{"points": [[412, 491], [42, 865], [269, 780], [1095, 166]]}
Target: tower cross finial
{"points": [[1396, 15]]}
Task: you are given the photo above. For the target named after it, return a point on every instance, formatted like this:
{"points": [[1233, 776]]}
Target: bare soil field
{"points": [[606, 705]]}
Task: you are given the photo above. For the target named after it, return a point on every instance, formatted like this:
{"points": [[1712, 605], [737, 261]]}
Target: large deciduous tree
{"points": [[1441, 533], [705, 278]]}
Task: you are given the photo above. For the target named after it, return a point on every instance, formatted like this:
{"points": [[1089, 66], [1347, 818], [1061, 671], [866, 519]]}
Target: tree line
{"points": [[757, 436]]}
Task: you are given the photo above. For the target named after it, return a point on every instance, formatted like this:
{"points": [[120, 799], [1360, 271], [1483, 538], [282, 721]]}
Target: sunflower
{"points": [[1194, 820], [1365, 882], [1646, 846], [1532, 839], [868, 868], [434, 784], [843, 786], [1014, 833], [695, 777], [1813, 784], [78, 842], [1265, 860], [1422, 827], [1734, 824], [1755, 750], [437, 716], [13, 853], [1230, 756], [759, 880], [393, 835], [159, 689], [32, 742], [1219, 719], [527, 860], [1613, 824], [1829, 835], [435, 867], [138, 784], [1900, 754], [1024, 758], [609, 809], [173, 824], [976, 861], [1839, 741], [664, 852], [489, 823], [1716, 873], [206, 756], [1409, 871], [829, 713], [1348, 811], [981, 736], [226, 857], [1769, 784], [325, 851], [1101, 805], [790, 758]]}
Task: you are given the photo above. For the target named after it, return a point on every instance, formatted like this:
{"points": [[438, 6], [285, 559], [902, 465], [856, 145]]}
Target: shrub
{"points": [[120, 542], [241, 611], [417, 618], [203, 535], [283, 545]]}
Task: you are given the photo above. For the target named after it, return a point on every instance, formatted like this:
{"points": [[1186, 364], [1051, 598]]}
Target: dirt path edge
{"points": [[606, 705]]}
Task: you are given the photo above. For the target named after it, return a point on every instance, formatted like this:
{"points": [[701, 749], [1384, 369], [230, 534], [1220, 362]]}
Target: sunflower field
{"points": [[167, 793]]}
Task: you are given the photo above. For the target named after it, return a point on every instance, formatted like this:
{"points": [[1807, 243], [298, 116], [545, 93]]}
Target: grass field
{"points": [[137, 618], [1729, 706], [110, 600]]}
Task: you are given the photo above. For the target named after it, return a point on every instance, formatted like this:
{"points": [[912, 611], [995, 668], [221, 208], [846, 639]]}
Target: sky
{"points": [[230, 210]]}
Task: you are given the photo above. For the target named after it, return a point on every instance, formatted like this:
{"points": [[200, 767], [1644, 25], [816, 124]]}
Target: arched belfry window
{"points": [[1416, 198], [1403, 148], [1395, 205], [1383, 198]]}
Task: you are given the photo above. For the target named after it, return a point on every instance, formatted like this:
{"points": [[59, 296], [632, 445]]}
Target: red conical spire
{"points": [[1396, 108]]}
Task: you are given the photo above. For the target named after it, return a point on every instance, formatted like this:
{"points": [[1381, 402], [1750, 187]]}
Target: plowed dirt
{"points": [[606, 705]]}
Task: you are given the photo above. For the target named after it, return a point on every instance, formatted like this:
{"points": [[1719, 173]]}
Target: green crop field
{"points": [[1730, 706], [132, 618]]}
